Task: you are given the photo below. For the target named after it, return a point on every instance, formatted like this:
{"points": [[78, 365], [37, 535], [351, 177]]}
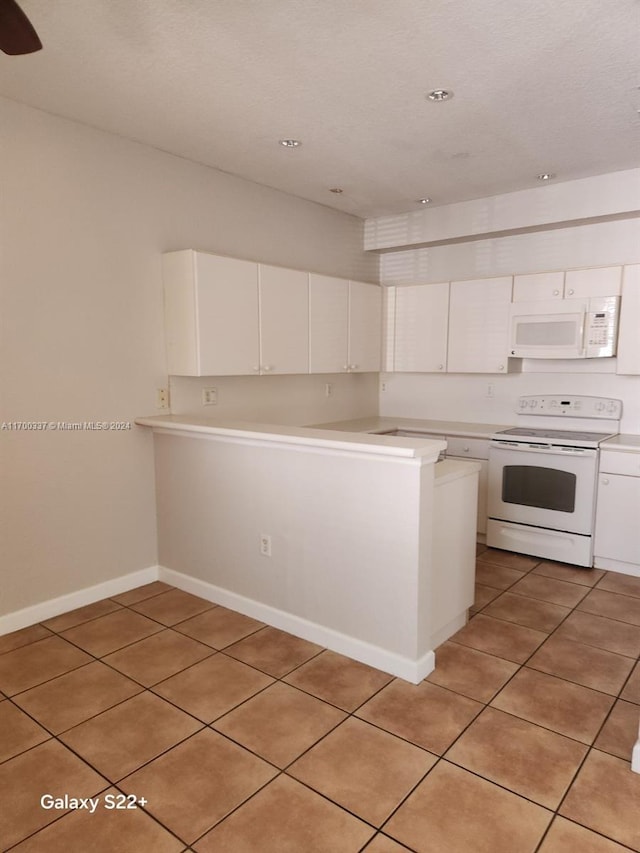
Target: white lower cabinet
{"points": [[617, 536], [475, 449]]}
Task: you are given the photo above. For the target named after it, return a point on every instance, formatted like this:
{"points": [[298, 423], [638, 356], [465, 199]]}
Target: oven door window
{"points": [[547, 488]]}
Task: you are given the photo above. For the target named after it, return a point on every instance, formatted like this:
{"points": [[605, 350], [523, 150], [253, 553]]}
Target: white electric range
{"points": [[542, 480]]}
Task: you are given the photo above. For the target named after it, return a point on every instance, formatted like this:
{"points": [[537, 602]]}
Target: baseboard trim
{"points": [[617, 566], [409, 670], [55, 606]]}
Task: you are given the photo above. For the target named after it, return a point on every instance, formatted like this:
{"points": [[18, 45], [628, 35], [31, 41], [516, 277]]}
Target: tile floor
{"points": [[243, 739]]}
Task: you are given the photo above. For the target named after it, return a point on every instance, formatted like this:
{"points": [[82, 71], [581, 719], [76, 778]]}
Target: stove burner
{"points": [[571, 435]]}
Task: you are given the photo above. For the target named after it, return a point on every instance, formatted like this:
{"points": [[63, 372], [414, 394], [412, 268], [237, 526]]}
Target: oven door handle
{"points": [[541, 449]]}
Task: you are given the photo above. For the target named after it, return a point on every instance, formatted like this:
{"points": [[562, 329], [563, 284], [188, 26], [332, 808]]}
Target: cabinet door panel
{"points": [[227, 311], [544, 285], [628, 338], [479, 325], [328, 324], [582, 284], [617, 529], [284, 320], [365, 327], [421, 325]]}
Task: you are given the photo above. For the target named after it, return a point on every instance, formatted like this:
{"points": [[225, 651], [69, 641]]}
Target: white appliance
{"points": [[542, 480], [566, 328]]}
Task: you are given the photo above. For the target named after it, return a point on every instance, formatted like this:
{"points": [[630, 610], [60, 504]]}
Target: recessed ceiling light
{"points": [[336, 190], [290, 143], [424, 200], [440, 95], [545, 176]]}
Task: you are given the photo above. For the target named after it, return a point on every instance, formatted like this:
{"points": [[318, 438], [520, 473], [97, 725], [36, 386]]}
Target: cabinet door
{"points": [[483, 485], [602, 281], [479, 325], [617, 530], [628, 361], [544, 285], [227, 315], [328, 324], [421, 325], [284, 320], [365, 327]]}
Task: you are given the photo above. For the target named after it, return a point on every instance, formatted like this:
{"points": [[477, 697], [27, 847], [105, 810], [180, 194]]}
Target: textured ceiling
{"points": [[540, 86]]}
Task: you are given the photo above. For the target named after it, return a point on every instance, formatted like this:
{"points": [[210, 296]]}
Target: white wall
{"points": [[85, 217]]}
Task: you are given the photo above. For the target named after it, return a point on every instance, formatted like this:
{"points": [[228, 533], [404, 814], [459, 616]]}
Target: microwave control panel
{"points": [[601, 327], [583, 407]]}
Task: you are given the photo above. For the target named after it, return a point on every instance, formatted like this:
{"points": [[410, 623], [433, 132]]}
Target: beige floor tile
{"points": [[17, 731], [605, 798], [172, 607], [622, 584], [27, 666], [566, 572], [550, 589], [631, 690], [483, 595], [76, 696], [567, 837], [339, 680], [157, 657], [530, 612], [16, 639], [425, 714], [120, 740], [522, 562], [111, 632], [197, 783], [603, 633], [620, 732], [555, 704], [48, 768], [212, 687], [496, 577], [82, 614], [286, 817], [219, 627], [502, 639], [280, 723], [104, 831], [274, 652], [365, 770], [383, 844], [133, 596], [525, 758], [625, 608], [470, 672], [586, 665], [453, 811]]}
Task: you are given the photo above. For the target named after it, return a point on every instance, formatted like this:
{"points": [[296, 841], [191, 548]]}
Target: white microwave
{"points": [[566, 328]]}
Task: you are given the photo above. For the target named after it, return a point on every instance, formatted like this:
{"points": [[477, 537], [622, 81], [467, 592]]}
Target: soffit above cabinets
{"points": [[537, 87]]}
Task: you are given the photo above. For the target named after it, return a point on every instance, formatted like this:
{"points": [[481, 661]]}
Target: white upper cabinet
{"points": [[344, 325], [479, 325], [284, 320], [365, 327], [211, 314], [574, 284], [628, 361], [421, 326]]}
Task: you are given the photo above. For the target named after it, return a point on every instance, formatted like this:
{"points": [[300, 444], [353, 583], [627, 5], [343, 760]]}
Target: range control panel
{"points": [[577, 407]]}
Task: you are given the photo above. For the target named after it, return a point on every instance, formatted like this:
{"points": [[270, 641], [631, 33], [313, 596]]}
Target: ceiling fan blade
{"points": [[17, 36]]}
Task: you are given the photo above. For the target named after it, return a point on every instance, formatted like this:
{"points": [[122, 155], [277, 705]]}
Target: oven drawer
{"points": [[619, 462], [473, 448]]}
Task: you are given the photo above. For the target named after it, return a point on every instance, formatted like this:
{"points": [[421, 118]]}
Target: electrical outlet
{"points": [[265, 544], [328, 389], [383, 386], [491, 389], [209, 396], [162, 398]]}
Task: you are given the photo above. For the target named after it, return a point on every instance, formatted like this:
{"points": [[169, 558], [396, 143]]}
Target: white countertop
{"points": [[460, 429], [626, 442], [333, 437]]}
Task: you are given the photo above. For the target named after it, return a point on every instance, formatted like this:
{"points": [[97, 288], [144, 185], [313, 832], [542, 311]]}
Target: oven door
{"points": [[543, 485]]}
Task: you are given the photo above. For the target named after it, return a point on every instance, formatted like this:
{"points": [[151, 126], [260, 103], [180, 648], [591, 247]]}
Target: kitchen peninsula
{"points": [[362, 543]]}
